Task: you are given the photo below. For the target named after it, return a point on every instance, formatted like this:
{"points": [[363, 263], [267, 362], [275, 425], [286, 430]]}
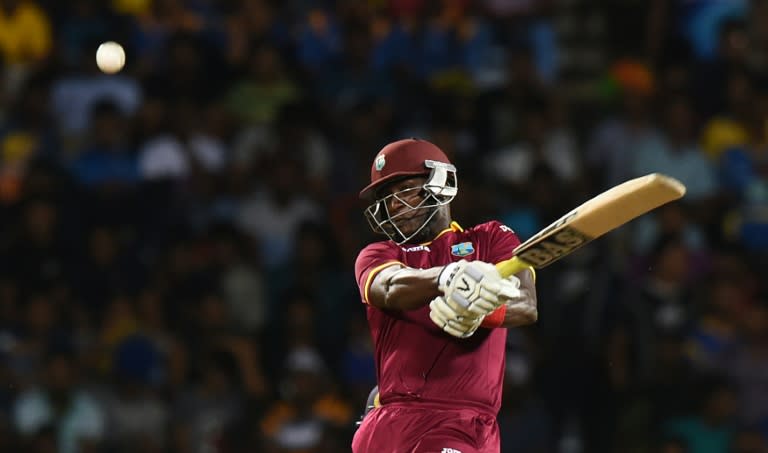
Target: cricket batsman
{"points": [[437, 309]]}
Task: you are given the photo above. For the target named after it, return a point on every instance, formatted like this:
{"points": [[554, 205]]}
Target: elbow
{"points": [[391, 299], [526, 317], [531, 314], [531, 317], [388, 300]]}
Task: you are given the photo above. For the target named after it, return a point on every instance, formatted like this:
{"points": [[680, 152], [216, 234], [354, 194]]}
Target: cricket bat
{"points": [[594, 218]]}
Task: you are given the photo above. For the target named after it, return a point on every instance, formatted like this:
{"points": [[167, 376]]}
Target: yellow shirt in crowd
{"points": [[25, 34], [133, 7]]}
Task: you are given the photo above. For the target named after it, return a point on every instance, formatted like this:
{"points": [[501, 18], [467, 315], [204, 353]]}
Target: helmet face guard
{"points": [[439, 190]]}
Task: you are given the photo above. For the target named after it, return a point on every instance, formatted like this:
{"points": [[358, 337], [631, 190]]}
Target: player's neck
{"points": [[440, 223]]}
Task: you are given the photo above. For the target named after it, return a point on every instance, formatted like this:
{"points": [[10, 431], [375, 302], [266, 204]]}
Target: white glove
{"points": [[453, 319], [509, 289], [445, 316], [471, 287]]}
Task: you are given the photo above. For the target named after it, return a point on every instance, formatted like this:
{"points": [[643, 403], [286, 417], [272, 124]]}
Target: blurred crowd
{"points": [[177, 240]]}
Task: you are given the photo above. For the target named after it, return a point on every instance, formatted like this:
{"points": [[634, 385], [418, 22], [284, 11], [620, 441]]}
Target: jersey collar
{"points": [[454, 228]]}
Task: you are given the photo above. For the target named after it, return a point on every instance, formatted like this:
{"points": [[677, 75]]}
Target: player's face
{"points": [[410, 193]]}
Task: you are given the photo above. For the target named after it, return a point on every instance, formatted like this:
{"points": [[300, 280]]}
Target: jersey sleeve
{"points": [[371, 260], [500, 241]]}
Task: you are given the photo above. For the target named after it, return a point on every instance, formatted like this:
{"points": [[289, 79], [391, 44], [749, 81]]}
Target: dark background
{"points": [[177, 241]]}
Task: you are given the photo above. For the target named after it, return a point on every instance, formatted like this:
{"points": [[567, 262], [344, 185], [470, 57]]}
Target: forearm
{"points": [[522, 311], [403, 288], [514, 317]]}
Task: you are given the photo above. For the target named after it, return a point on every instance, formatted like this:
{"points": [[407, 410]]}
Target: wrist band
{"points": [[495, 318]]}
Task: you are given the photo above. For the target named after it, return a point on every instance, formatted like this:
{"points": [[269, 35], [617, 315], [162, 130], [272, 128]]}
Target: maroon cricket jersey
{"points": [[415, 360]]}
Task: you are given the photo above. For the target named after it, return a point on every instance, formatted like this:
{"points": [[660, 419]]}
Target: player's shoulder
{"points": [[380, 246], [378, 250], [491, 227], [495, 241]]}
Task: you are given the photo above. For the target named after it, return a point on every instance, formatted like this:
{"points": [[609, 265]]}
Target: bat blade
{"points": [[597, 216]]}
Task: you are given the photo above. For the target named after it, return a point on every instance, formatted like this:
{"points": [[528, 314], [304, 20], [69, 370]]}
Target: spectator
{"points": [[26, 32], [74, 95], [715, 335], [273, 214], [23, 138], [676, 152], [107, 160], [747, 367], [184, 151], [243, 283], [709, 428], [137, 416], [249, 22], [298, 422], [75, 416], [81, 28], [540, 145], [614, 141], [257, 98], [314, 271], [744, 180], [661, 306], [728, 128], [525, 425], [207, 409], [38, 254], [319, 40]]}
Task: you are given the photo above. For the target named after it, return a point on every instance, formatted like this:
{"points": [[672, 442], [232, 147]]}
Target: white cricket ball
{"points": [[110, 57]]}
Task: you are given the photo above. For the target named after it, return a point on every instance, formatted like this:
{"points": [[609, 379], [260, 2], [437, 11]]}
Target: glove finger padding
{"points": [[451, 322], [472, 286], [479, 307], [442, 309], [482, 303], [509, 289], [460, 331]]}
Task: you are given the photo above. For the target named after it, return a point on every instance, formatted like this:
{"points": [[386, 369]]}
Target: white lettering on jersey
{"points": [[417, 248], [450, 450], [506, 228]]}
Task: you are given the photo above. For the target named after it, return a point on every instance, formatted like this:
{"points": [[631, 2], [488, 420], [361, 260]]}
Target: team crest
{"points": [[463, 249], [380, 162]]}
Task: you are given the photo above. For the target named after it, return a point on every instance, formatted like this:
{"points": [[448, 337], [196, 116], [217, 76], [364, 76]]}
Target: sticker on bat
{"points": [[555, 225], [555, 247]]}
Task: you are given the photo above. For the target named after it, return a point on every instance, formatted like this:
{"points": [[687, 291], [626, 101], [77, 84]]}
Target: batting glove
{"points": [[471, 287], [445, 316]]}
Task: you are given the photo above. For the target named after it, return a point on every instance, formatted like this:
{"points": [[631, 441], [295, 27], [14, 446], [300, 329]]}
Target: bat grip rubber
{"points": [[511, 266]]}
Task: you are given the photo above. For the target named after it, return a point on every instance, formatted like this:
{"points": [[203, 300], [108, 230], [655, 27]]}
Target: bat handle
{"points": [[511, 266]]}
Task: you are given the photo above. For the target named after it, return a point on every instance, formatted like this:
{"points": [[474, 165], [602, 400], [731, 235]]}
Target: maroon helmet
{"points": [[403, 159]]}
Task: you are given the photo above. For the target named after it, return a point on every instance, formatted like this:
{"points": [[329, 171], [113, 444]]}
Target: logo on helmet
{"points": [[380, 162]]}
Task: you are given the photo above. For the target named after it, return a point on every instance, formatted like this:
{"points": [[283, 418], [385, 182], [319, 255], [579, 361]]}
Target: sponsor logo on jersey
{"points": [[463, 249], [381, 161], [506, 229], [417, 248]]}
